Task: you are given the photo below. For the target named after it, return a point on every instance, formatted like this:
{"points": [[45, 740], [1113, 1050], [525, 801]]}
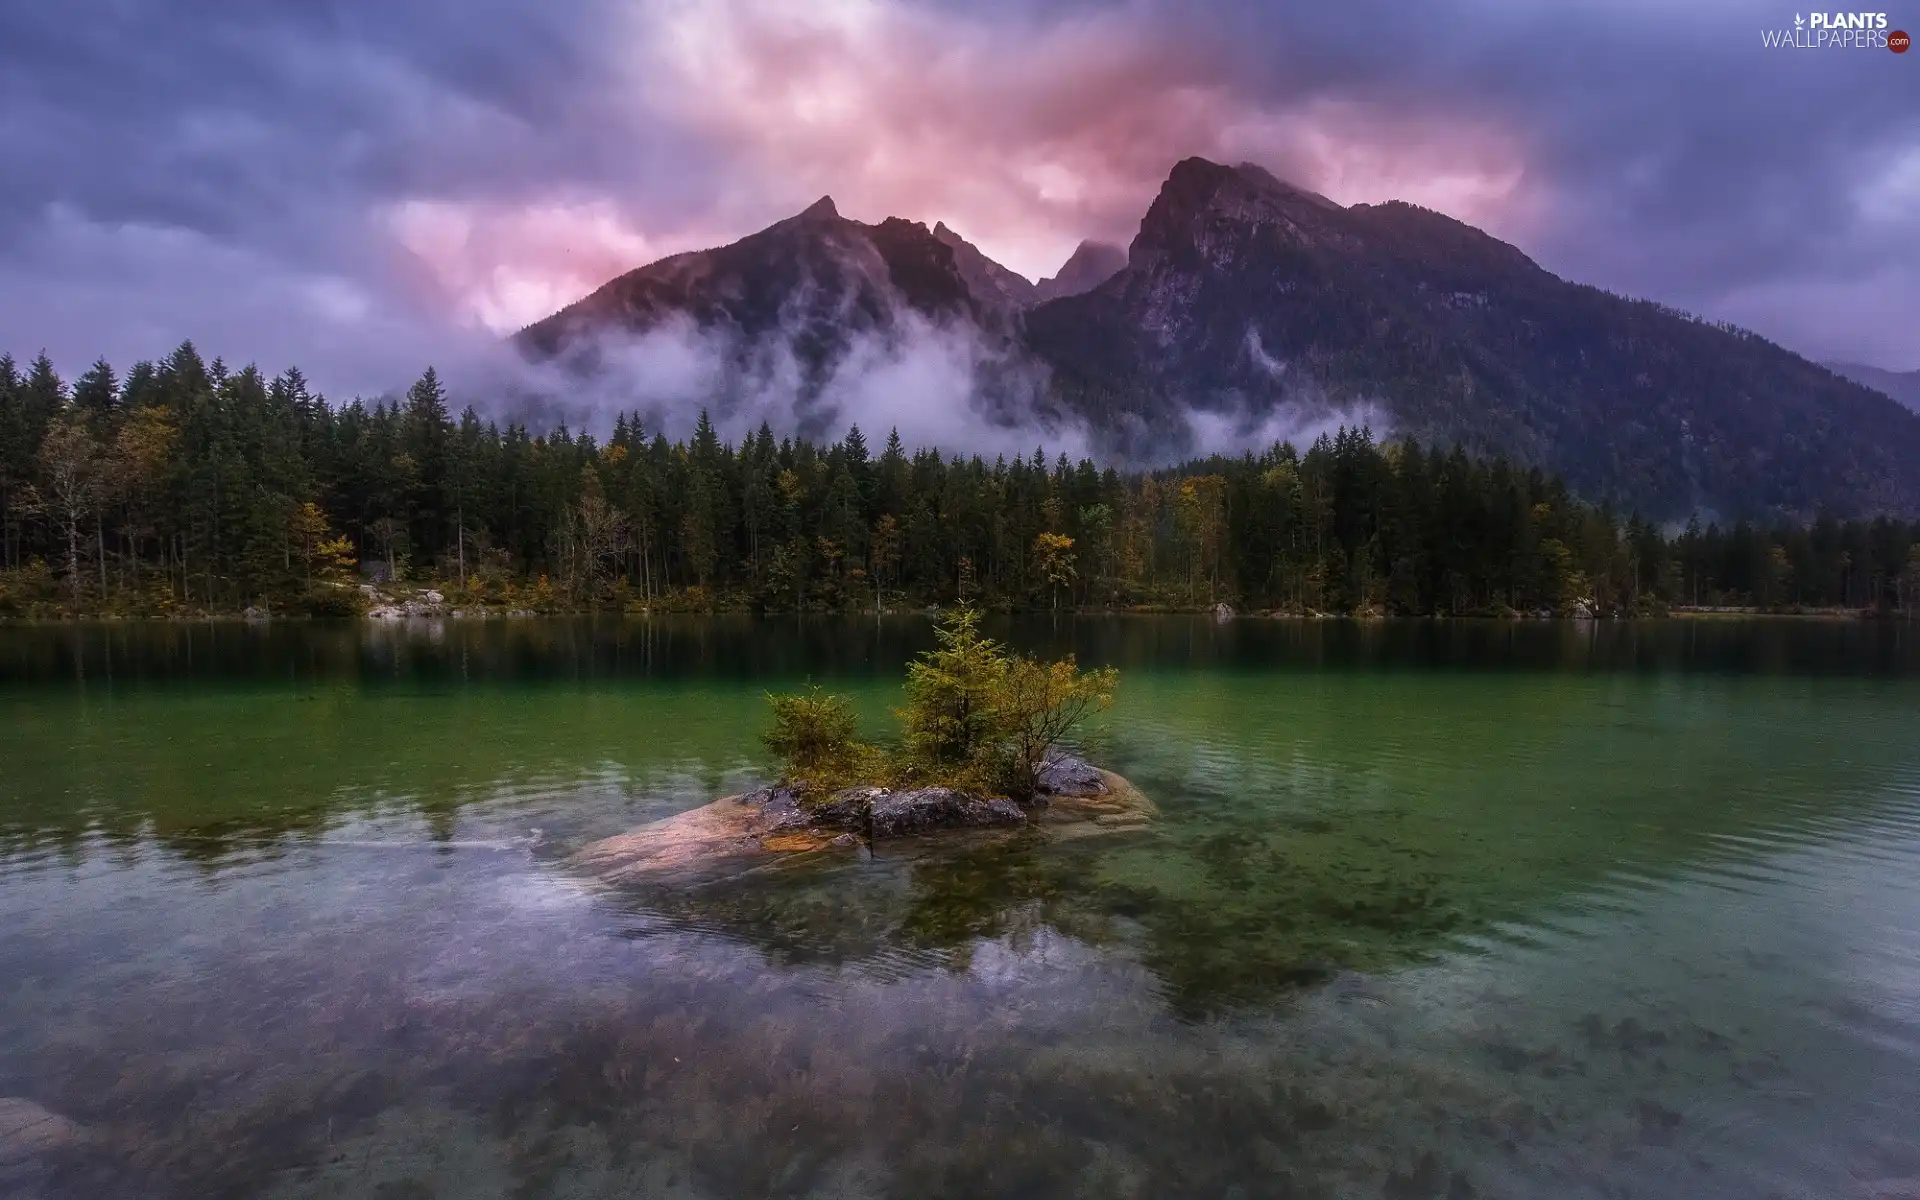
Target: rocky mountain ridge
{"points": [[1244, 299]]}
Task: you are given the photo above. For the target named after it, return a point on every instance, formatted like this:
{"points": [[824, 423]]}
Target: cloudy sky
{"points": [[363, 186]]}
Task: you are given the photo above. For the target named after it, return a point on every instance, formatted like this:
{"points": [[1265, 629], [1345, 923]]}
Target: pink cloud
{"points": [[1026, 138], [502, 266]]}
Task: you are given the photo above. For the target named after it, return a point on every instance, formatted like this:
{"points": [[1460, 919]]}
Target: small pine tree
{"points": [[817, 739], [948, 720]]}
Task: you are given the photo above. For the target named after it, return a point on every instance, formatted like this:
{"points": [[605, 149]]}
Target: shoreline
{"points": [[466, 615]]}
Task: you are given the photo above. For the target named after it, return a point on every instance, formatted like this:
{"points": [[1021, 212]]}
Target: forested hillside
{"points": [[190, 487]]}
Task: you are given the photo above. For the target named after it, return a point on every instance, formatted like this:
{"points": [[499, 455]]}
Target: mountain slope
{"points": [[1903, 386], [1243, 294], [1272, 308], [1090, 265], [989, 282], [810, 287]]}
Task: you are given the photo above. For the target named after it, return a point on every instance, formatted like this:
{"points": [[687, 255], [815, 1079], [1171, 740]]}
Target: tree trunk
{"points": [[73, 556]]}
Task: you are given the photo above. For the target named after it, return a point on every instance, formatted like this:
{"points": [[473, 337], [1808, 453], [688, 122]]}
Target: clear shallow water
{"points": [[1433, 910]]}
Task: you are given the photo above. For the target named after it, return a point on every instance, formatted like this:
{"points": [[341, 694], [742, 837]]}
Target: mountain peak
{"points": [[1267, 179], [989, 282], [1204, 179], [1199, 195], [1090, 265], [821, 209]]}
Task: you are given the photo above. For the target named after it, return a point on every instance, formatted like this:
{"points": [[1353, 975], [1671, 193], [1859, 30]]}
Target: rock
{"points": [[1063, 774], [385, 612], [703, 837], [433, 597], [1116, 808], [780, 810], [741, 833], [250, 613], [366, 589], [848, 808], [30, 1131], [1223, 612], [922, 810]]}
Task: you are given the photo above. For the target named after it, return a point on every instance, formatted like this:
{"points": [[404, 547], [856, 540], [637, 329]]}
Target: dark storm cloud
{"points": [[359, 187], [1687, 162], [221, 172]]}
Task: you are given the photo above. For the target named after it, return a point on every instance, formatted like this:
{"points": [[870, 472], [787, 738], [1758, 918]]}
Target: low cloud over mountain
{"points": [[1245, 310]]}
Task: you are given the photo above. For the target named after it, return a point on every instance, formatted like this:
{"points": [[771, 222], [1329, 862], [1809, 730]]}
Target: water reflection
{"points": [[459, 1025], [429, 654], [1402, 931]]}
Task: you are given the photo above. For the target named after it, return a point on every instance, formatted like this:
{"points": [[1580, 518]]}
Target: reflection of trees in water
{"points": [[988, 1019], [440, 652], [1269, 874], [1221, 922], [750, 649], [915, 904]]}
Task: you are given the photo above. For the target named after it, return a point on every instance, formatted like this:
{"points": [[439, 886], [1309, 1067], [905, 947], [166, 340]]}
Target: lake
{"points": [[1431, 910]]}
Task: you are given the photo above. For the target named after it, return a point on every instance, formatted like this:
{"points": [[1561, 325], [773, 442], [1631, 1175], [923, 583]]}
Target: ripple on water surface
{"points": [[1399, 932]]}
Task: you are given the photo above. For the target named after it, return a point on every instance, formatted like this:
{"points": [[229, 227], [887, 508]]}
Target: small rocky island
{"points": [[981, 750], [1077, 800]]}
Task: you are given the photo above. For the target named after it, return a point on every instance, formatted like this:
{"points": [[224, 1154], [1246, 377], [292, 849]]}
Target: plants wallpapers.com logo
{"points": [[1838, 31]]}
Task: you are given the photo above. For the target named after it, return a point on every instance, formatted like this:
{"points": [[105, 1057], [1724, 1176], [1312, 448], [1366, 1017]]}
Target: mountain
{"points": [[1249, 305], [1090, 265], [986, 279], [803, 294], [1244, 295], [1903, 386]]}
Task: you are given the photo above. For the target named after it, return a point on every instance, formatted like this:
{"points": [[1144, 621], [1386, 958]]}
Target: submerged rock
{"points": [[780, 810], [1117, 806], [28, 1131]]}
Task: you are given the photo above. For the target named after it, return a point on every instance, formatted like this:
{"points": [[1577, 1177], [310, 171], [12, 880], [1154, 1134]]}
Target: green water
{"points": [[1431, 910]]}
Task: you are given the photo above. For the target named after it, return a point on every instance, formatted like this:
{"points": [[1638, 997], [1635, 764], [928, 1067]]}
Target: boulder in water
{"points": [[28, 1131], [923, 810], [1063, 774], [780, 810], [848, 808]]}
